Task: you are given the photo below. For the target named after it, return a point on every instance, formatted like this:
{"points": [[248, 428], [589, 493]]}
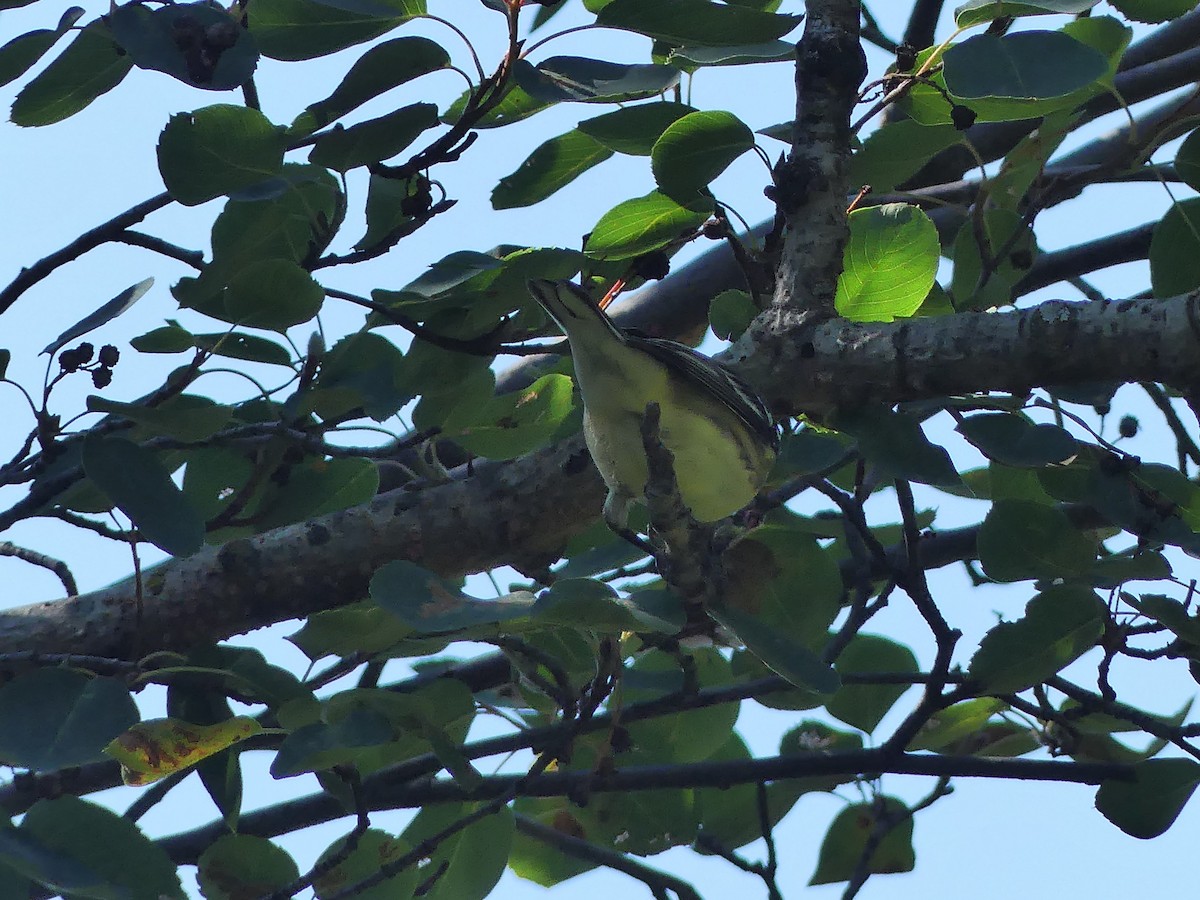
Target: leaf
{"points": [[1060, 624], [156, 748], [553, 165], [782, 655], [511, 424], [853, 831], [634, 129], [1168, 612], [101, 316], [1153, 11], [695, 149], [343, 149], [949, 726], [427, 604], [251, 347], [20, 54], [893, 154], [373, 850], [574, 78], [1021, 539], [638, 226], [864, 705], [137, 484], [306, 29], [274, 294], [1187, 160], [377, 71], [1011, 439], [1025, 65], [218, 150], [585, 603], [201, 45], [1148, 805], [1002, 229], [69, 837], [890, 263], [1175, 250], [730, 314], [895, 442], [238, 866], [186, 417], [475, 856], [975, 12], [90, 66], [695, 21], [57, 718]]}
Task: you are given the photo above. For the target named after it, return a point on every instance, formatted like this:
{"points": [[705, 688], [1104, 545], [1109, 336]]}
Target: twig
{"points": [[570, 845], [57, 566]]}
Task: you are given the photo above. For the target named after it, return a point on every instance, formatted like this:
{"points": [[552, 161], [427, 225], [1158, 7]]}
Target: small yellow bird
{"points": [[717, 428]]}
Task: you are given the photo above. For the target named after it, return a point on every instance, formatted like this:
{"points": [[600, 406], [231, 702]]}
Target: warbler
{"points": [[716, 427]]}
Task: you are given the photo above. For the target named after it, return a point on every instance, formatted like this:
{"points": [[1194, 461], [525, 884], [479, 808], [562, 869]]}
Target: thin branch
{"points": [[569, 845], [57, 566], [89, 240]]}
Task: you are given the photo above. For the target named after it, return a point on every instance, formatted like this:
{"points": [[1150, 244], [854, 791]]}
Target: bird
{"points": [[716, 427]]}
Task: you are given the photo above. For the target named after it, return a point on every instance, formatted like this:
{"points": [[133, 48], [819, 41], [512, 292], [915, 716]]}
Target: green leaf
{"points": [[236, 866], [218, 150], [695, 149], [1060, 624], [201, 45], [1187, 160], [315, 488], [782, 655], [1013, 440], [274, 294], [585, 603], [895, 442], [70, 837], [90, 66], [696, 21], [251, 347], [896, 152], [553, 165], [890, 261], [574, 78], [305, 29], [1021, 539], [730, 314], [20, 54], [1175, 250], [854, 830], [638, 226], [428, 604], [1168, 612], [170, 338], [1148, 805], [1024, 65], [688, 736], [186, 417], [101, 316], [377, 71], [357, 628], [634, 129], [1153, 11], [57, 718], [364, 370], [514, 106], [808, 451], [515, 423], [976, 12], [1002, 229], [342, 149], [949, 726], [864, 705], [475, 856], [373, 850], [137, 484]]}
